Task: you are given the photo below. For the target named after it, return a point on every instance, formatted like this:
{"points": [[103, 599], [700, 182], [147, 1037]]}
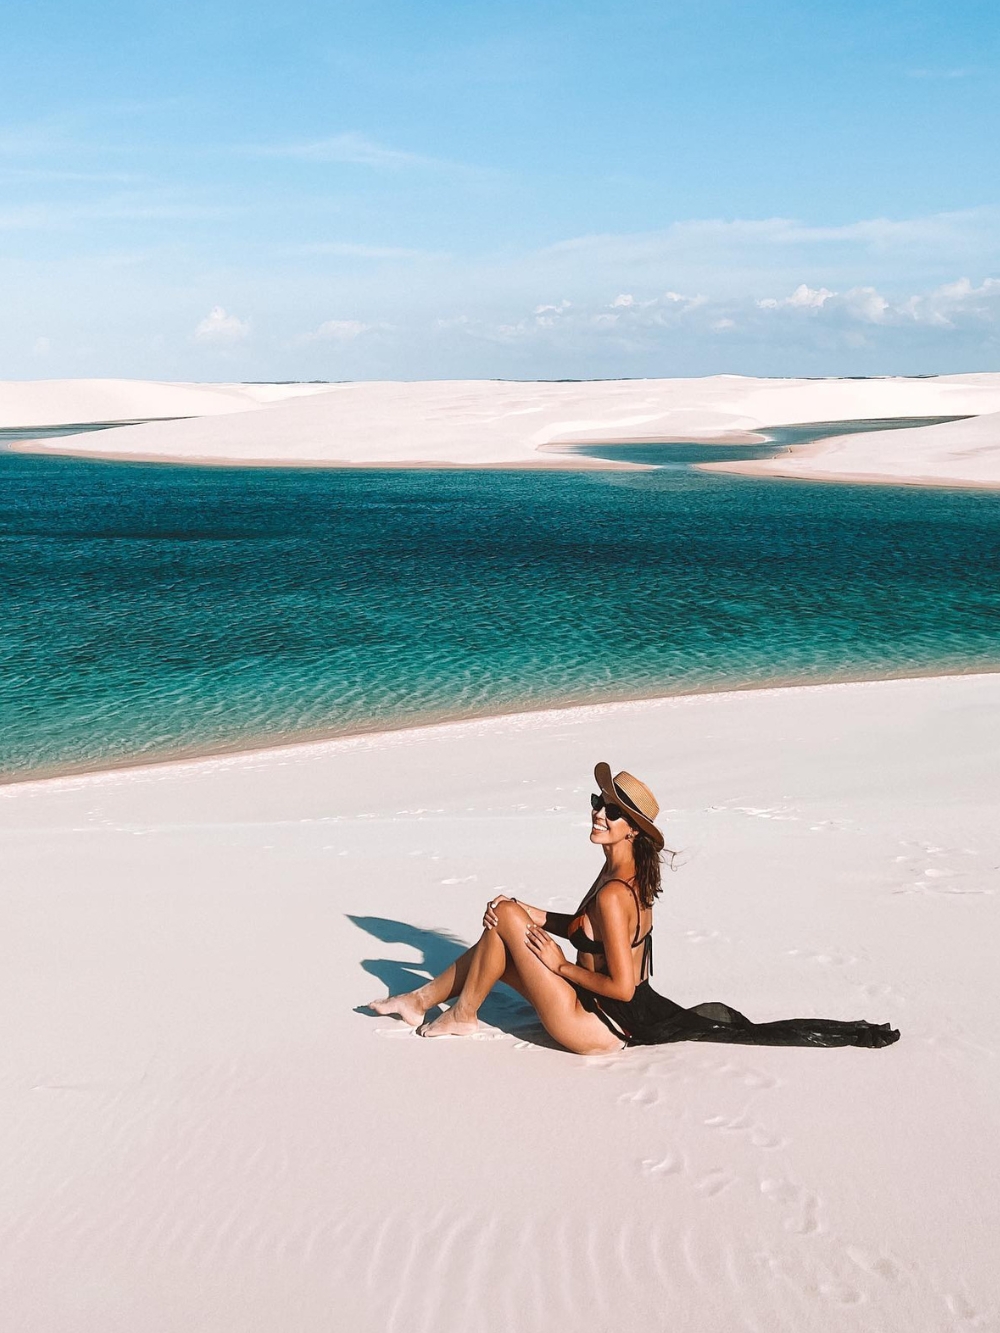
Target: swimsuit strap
{"points": [[646, 966], [638, 914]]}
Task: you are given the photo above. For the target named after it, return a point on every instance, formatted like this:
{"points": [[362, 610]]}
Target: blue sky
{"points": [[403, 190]]}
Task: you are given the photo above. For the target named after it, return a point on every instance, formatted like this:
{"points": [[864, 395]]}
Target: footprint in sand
{"points": [[766, 812], [875, 1263], [742, 1124], [644, 1097], [708, 1185], [811, 1283], [712, 1183], [803, 1216], [671, 1165], [841, 1293], [962, 1309], [938, 880]]}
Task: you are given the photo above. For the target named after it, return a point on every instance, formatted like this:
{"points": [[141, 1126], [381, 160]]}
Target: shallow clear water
{"points": [[147, 609]]}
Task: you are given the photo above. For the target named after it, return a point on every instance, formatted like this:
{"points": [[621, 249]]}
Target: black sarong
{"points": [[650, 1019]]}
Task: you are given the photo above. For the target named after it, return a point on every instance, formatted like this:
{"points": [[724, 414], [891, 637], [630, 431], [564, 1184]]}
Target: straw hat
{"points": [[633, 796]]}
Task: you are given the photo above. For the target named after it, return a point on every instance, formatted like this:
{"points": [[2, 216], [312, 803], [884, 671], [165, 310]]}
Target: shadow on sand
{"points": [[503, 1009]]}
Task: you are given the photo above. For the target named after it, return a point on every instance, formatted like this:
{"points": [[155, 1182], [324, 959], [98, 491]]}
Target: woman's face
{"points": [[607, 831]]}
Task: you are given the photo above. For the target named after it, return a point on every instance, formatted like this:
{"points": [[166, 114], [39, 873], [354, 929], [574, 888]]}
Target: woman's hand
{"points": [[543, 946], [490, 916]]}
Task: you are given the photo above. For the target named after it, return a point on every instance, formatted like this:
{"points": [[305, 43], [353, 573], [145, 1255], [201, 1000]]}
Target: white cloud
{"points": [[947, 306], [218, 327], [808, 298], [733, 240], [956, 303], [341, 330], [346, 331], [866, 304], [850, 319], [803, 298], [546, 315], [911, 294]]}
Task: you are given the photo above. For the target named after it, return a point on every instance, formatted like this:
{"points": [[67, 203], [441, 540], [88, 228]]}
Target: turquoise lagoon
{"points": [[149, 610]]}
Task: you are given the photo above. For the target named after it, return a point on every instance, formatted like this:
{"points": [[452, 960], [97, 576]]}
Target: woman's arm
{"points": [[556, 923], [612, 909]]}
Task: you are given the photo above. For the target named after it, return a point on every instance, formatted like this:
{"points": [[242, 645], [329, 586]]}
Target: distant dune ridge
{"points": [[487, 423], [35, 403]]}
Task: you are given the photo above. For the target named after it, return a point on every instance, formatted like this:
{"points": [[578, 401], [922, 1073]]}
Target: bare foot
{"points": [[407, 1007], [450, 1025]]}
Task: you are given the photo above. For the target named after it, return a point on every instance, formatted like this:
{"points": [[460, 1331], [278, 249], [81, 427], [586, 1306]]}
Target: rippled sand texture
{"points": [[148, 610], [201, 1131]]}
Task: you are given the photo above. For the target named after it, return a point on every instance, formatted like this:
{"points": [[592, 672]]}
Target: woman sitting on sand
{"points": [[603, 1002]]}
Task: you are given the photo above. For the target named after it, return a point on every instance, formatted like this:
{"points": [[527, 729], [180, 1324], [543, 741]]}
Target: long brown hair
{"points": [[648, 866]]}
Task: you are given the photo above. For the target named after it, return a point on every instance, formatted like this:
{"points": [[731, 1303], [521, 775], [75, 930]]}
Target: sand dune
{"points": [[200, 1130], [33, 403], [494, 424], [955, 453]]}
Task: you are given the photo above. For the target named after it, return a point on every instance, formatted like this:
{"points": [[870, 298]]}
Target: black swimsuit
{"points": [[649, 1019]]}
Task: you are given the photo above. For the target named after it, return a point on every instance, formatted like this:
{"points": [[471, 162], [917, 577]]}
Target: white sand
{"points": [[199, 1132], [32, 403], [955, 453], [493, 424]]}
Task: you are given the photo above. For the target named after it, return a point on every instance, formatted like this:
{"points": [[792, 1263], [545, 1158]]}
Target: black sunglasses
{"points": [[611, 811]]}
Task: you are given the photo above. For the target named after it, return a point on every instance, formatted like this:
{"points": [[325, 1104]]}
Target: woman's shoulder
{"points": [[614, 890]]}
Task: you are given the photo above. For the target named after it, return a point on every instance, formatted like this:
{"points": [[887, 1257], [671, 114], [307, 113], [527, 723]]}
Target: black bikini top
{"points": [[583, 943]]}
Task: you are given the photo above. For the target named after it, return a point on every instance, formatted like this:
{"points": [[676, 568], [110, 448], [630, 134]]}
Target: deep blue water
{"points": [[148, 609]]}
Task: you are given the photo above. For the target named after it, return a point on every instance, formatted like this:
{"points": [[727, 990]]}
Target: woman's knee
{"points": [[510, 915]]}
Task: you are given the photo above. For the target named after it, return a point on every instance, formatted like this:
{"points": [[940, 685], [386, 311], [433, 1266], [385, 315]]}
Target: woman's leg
{"points": [[562, 1015], [488, 964], [412, 1005]]}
